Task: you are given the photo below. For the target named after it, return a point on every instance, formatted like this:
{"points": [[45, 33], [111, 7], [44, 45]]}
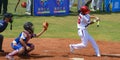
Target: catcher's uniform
{"points": [[16, 43], [83, 21], [71, 3]]}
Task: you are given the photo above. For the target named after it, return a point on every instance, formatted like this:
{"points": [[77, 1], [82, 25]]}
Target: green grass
{"points": [[65, 26]]}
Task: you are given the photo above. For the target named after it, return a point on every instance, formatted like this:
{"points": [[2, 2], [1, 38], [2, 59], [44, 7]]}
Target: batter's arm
{"points": [[93, 21]]}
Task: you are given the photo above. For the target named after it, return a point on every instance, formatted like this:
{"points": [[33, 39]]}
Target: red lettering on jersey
{"points": [[79, 18]]}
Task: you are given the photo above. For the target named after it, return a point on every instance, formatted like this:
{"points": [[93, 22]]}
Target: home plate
{"points": [[76, 58]]}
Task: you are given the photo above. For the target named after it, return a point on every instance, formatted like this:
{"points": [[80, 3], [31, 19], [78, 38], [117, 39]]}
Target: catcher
{"points": [[21, 45]]}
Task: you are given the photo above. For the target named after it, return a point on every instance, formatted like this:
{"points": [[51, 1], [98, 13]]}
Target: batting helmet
{"points": [[29, 27], [23, 4], [84, 10]]}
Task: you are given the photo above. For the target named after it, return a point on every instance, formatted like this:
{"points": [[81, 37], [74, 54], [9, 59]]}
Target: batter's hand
{"points": [[97, 19], [45, 25]]}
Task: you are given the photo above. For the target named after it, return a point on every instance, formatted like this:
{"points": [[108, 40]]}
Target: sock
{"points": [[13, 53]]}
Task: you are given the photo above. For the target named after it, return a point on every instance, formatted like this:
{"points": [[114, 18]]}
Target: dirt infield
{"points": [[58, 49]]}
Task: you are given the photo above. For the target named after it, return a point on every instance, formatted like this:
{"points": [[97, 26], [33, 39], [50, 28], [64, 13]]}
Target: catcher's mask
{"points": [[9, 15], [84, 10], [29, 27]]}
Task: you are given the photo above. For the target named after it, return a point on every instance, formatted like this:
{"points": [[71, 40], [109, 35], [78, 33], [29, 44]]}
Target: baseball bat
{"points": [[98, 23]]}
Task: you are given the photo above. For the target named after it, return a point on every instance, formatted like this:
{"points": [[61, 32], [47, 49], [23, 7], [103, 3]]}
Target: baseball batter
{"points": [[21, 45], [82, 24]]}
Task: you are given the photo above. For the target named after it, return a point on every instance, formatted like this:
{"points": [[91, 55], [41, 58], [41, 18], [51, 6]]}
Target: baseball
{"points": [[23, 4]]}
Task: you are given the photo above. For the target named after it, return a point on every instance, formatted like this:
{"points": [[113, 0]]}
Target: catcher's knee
{"points": [[21, 50]]}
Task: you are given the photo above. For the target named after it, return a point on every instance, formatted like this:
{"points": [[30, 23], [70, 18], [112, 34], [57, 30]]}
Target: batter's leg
{"points": [[94, 45], [84, 40]]}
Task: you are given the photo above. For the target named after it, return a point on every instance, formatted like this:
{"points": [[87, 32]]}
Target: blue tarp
{"points": [[50, 7], [115, 5], [112, 5]]}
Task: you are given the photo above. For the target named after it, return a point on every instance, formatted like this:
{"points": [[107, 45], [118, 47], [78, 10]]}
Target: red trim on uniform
{"points": [[79, 18]]}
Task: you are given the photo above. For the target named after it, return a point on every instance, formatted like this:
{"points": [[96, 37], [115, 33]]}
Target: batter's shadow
{"points": [[35, 56], [84, 55]]}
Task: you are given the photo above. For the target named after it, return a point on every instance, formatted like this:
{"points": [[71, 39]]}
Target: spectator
{"points": [[71, 4], [4, 4], [3, 25], [28, 7], [88, 3], [99, 5], [80, 3], [93, 5], [96, 5], [21, 45]]}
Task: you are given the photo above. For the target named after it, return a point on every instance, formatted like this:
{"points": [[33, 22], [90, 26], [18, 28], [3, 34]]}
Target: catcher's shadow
{"points": [[35, 56]]}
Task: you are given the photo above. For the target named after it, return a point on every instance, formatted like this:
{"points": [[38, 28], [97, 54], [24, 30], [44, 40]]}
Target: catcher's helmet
{"points": [[29, 27], [84, 10]]}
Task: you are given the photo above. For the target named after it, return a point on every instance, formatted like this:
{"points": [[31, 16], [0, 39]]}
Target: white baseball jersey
{"points": [[83, 21]]}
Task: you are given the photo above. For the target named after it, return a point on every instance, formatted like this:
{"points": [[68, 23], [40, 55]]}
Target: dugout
{"points": [[50, 7]]}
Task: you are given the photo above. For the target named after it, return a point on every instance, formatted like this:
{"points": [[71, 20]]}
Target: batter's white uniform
{"points": [[83, 21]]}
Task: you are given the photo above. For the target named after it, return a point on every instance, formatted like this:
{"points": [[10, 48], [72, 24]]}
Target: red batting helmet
{"points": [[84, 10], [23, 4]]}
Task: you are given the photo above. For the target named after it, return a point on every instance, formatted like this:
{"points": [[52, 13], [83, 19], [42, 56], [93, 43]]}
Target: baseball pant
{"points": [[99, 5], [88, 3], [93, 4], [4, 4], [85, 38], [1, 41], [80, 3], [0, 6], [28, 6]]}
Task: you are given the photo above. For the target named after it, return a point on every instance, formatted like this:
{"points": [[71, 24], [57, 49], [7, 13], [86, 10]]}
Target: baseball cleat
{"points": [[98, 55], [71, 48], [27, 13], [9, 57]]}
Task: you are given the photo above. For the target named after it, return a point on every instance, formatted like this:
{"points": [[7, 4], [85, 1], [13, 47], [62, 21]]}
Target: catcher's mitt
{"points": [[45, 25]]}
